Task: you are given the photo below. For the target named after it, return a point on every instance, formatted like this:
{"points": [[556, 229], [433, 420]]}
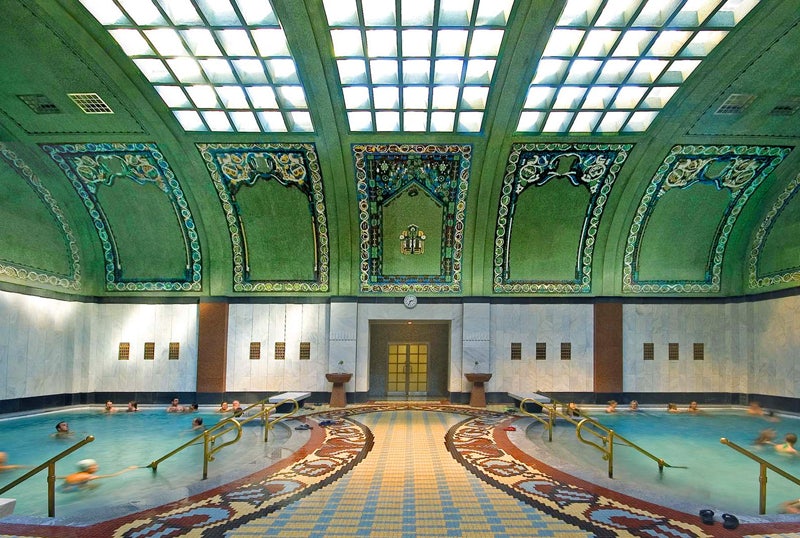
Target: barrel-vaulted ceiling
{"points": [[505, 148]]}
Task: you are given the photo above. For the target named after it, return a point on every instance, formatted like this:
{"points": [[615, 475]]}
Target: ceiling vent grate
{"points": [[90, 103], [40, 104], [786, 108], [735, 103]]}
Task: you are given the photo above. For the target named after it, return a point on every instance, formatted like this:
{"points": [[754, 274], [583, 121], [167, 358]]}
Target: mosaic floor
{"points": [[408, 469]]}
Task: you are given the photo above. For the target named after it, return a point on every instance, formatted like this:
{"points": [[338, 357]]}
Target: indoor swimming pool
{"points": [[715, 476], [125, 439]]}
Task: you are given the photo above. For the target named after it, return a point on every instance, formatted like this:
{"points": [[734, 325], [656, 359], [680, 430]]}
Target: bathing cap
{"points": [[83, 465]]}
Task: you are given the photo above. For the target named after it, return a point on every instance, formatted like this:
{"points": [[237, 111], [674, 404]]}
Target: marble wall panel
{"points": [[725, 363], [551, 324], [776, 346], [289, 323]]}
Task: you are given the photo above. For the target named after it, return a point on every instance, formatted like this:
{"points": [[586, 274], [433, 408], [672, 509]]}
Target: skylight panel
{"points": [[437, 56], [616, 63], [224, 65], [181, 12]]}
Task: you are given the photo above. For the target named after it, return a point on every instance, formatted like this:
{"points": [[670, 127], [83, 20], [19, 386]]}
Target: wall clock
{"points": [[410, 301]]}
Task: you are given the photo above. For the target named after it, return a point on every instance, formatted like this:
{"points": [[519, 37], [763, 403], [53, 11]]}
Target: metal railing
{"points": [[210, 436], [606, 436], [762, 474], [50, 465]]}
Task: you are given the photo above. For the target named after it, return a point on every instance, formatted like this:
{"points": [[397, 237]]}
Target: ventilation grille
{"points": [[516, 351], [90, 103], [735, 103], [305, 351], [40, 104], [786, 108]]}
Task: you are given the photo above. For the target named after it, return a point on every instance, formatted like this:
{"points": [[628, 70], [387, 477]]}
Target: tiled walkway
{"points": [[404, 469]]}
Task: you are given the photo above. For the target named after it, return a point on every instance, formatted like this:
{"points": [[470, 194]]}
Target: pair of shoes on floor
{"points": [[328, 422], [729, 521], [302, 427]]}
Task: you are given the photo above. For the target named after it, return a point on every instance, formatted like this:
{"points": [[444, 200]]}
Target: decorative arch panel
{"points": [[143, 221], [274, 204], [686, 179], [536, 176]]}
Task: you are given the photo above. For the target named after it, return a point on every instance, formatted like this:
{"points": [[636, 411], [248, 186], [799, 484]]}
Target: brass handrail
{"points": [[762, 475], [209, 437], [608, 441], [51, 474]]}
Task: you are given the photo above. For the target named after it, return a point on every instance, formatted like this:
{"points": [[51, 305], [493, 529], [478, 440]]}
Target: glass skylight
{"points": [[416, 65], [219, 65], [611, 65]]}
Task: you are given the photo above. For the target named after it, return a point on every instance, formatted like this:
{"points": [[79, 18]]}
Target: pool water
{"points": [[716, 476], [124, 439]]}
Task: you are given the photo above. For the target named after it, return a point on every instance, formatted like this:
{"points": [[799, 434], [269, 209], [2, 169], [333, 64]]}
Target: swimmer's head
{"points": [[85, 465]]}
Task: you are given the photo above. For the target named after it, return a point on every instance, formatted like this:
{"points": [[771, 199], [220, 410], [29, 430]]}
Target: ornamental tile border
{"points": [[450, 191], [533, 165], [88, 166], [744, 168], [71, 281], [233, 166], [783, 276]]}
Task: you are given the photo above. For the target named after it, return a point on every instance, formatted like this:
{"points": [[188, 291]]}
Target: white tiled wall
{"points": [[49, 346], [270, 323], [722, 328]]}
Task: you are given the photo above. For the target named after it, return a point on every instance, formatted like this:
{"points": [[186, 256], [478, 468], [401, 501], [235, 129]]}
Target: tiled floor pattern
{"points": [[407, 469], [409, 485]]}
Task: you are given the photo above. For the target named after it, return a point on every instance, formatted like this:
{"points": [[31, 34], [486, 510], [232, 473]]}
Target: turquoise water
{"points": [[123, 439], [716, 475]]}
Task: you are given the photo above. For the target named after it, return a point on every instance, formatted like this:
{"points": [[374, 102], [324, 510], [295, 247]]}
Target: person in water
{"points": [[86, 474], [4, 465], [62, 430]]}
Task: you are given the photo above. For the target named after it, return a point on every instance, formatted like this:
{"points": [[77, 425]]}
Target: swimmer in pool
{"points": [[693, 408], [175, 406], [86, 474], [133, 406], [197, 424], [223, 408], [787, 447], [4, 466], [62, 430], [612, 406], [109, 407], [634, 406], [766, 437], [237, 409], [672, 408]]}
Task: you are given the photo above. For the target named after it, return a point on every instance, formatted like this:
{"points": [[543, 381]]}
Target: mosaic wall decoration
{"points": [[385, 171], [530, 166], [737, 169], [790, 274], [71, 280], [91, 167], [238, 166]]}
